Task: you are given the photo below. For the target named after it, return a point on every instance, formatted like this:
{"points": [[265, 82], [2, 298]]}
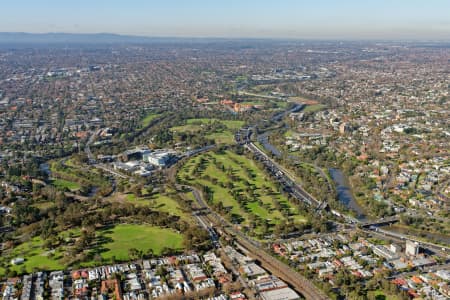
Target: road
{"points": [[87, 148], [263, 140], [401, 238], [284, 178], [274, 266], [381, 222], [108, 169], [426, 269], [280, 173]]}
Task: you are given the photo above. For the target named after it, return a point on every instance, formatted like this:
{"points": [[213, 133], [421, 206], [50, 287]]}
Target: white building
{"points": [[412, 248], [17, 260], [280, 294], [158, 158]]}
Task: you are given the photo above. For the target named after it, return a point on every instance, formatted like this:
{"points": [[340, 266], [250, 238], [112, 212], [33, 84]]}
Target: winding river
{"points": [[344, 193]]}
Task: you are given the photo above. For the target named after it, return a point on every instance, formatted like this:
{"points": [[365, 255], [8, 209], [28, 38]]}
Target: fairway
{"points": [[141, 237], [245, 191]]}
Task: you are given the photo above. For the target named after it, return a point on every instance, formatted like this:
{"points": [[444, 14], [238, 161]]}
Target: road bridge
{"points": [[381, 222]]}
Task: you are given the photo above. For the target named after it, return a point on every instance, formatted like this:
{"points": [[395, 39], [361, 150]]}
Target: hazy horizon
{"points": [[285, 19]]}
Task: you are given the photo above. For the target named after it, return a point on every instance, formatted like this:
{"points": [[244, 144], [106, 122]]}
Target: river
{"points": [[344, 193], [264, 141]]}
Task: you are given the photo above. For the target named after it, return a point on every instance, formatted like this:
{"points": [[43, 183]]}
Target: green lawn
{"points": [[114, 241], [222, 136], [166, 204], [36, 257], [62, 184], [194, 125], [380, 295], [314, 108], [136, 200], [71, 163], [226, 137], [161, 203], [186, 128], [141, 237], [148, 118], [230, 124]]}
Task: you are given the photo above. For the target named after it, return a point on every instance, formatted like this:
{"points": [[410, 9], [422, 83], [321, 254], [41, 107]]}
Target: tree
{"points": [[134, 253]]}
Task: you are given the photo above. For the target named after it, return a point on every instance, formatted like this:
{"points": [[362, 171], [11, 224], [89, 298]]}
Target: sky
{"points": [[312, 19]]}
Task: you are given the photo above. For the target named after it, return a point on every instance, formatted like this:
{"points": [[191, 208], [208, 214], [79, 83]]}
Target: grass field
{"points": [[194, 125], [221, 136], [147, 119], [141, 237], [61, 183], [187, 128], [262, 97], [166, 204], [114, 241], [226, 137], [314, 108], [302, 100], [380, 295], [35, 255], [229, 174], [158, 202], [230, 124]]}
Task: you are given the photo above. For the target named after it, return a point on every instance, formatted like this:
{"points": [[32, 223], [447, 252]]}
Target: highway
{"points": [[243, 138], [108, 169], [439, 249], [284, 178]]}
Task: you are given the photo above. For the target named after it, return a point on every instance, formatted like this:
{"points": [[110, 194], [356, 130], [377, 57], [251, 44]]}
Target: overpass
{"points": [[380, 222], [440, 249]]}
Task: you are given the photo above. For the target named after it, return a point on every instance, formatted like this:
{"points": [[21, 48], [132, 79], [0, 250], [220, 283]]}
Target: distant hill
{"points": [[24, 39], [76, 38]]}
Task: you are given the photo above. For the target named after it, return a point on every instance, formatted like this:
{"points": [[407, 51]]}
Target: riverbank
{"points": [[344, 193]]}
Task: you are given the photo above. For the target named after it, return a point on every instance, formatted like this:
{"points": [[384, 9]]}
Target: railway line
{"points": [[217, 224]]}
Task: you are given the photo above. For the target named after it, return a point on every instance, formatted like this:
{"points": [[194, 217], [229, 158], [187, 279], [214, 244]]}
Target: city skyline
{"points": [[416, 20]]}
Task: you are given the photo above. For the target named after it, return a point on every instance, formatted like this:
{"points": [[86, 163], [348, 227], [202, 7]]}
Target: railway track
{"points": [[274, 266], [301, 284]]}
